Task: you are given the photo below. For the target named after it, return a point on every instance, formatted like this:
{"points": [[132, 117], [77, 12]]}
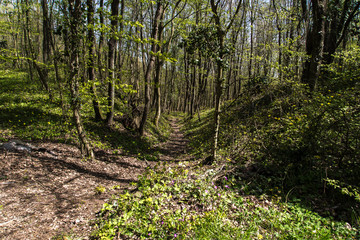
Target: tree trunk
{"points": [[218, 92], [111, 57], [219, 80], [57, 76], [154, 34], [91, 63], [315, 44], [74, 45], [338, 26], [251, 41], [30, 52], [279, 29], [193, 90], [157, 92], [101, 43], [157, 85], [46, 36], [187, 88]]}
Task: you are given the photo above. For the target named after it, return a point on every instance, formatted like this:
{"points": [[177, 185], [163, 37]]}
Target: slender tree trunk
{"points": [[46, 36], [112, 52], [74, 45], [219, 80], [160, 62], [27, 41], [91, 63], [155, 30], [229, 78], [218, 92], [30, 51], [279, 29], [120, 58], [57, 76], [193, 90], [201, 84], [186, 73], [101, 42], [157, 92], [250, 65], [157, 85]]}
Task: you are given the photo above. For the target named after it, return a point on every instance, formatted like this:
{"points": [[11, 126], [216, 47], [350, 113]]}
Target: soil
{"points": [[43, 196], [175, 149]]}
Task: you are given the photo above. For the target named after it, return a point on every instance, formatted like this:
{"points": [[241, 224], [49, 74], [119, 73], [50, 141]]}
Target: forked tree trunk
{"points": [[154, 34], [219, 80], [74, 45], [30, 52]]}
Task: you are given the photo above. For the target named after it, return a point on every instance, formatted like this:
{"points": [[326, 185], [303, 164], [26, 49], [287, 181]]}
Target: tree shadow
{"points": [[49, 162], [118, 138]]}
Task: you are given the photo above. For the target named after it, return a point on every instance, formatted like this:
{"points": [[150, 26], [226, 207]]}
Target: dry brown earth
{"points": [[42, 195]]}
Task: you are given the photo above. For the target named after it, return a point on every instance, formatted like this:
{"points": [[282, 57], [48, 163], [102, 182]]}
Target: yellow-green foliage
{"points": [[178, 204]]}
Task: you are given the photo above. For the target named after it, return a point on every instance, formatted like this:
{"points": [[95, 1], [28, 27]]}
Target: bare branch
{"points": [[347, 23], [233, 18]]}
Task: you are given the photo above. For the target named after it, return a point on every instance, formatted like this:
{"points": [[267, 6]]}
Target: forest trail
{"points": [[175, 149], [42, 195]]}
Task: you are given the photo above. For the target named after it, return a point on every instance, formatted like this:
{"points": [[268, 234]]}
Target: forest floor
{"points": [[43, 196]]}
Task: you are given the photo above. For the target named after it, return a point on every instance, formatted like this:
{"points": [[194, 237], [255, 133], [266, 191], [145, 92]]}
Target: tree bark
{"points": [[154, 34], [219, 80], [74, 45], [315, 44], [91, 62], [101, 43], [46, 35], [30, 52], [337, 27], [157, 91], [112, 50]]}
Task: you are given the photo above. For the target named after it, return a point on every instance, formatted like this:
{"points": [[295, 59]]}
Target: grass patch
{"points": [[200, 132], [160, 133], [26, 112]]}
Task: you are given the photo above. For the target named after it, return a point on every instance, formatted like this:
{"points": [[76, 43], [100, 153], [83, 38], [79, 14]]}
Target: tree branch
{"points": [[175, 16], [347, 23], [233, 18]]}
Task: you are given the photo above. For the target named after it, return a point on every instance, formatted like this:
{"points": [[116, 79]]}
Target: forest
{"points": [[179, 119]]}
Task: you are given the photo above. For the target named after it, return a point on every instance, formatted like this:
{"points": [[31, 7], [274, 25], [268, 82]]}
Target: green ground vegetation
{"points": [[288, 166], [289, 169], [27, 113], [174, 203]]}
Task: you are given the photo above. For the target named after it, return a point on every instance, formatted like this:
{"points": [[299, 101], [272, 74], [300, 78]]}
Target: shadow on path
{"points": [[176, 148]]}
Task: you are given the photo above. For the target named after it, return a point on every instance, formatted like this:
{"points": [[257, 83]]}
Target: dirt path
{"points": [[42, 196], [175, 149]]}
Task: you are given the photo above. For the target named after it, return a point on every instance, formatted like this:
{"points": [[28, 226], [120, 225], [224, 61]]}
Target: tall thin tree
{"points": [[91, 58], [159, 14], [75, 14], [219, 79], [111, 60]]}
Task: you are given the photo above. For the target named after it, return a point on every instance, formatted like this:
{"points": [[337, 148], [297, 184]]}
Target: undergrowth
{"points": [[292, 144], [177, 203], [27, 113]]}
